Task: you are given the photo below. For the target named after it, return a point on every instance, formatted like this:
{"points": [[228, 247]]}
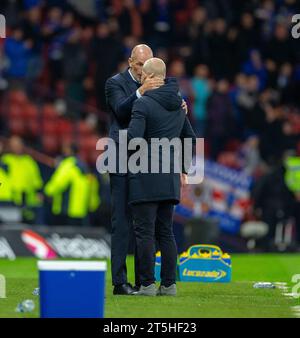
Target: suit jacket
{"points": [[120, 91], [158, 114]]}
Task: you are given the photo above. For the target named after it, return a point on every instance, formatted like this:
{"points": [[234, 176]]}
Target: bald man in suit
{"points": [[122, 90]]}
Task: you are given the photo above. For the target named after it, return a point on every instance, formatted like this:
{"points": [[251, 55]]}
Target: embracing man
{"points": [[121, 91], [158, 116]]}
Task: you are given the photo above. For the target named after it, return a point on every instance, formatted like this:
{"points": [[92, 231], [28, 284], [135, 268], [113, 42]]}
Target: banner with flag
{"points": [[223, 195]]}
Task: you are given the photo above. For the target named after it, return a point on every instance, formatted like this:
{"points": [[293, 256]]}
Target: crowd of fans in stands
{"points": [[236, 61], [237, 64]]}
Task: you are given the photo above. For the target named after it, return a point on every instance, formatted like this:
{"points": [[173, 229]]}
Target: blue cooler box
{"points": [[72, 289]]}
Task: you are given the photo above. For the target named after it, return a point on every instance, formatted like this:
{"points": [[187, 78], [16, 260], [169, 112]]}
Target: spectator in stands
{"points": [[233, 53], [128, 17], [220, 117], [285, 83], [198, 37], [107, 54], [249, 155], [31, 26], [239, 86], [273, 203], [74, 72], [255, 66], [252, 113], [201, 91], [177, 69], [3, 65], [218, 45], [281, 48], [272, 138], [17, 52], [248, 34], [57, 30], [25, 178]]}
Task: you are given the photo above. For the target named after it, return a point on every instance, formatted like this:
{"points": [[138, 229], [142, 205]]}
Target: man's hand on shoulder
{"points": [[184, 106], [151, 82]]}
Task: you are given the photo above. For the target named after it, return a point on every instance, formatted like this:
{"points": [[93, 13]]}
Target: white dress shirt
{"points": [[137, 91]]}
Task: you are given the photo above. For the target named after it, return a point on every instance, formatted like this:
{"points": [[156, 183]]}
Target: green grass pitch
{"points": [[235, 299]]}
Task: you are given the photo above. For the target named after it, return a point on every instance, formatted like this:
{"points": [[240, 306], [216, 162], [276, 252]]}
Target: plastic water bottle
{"points": [[26, 306], [36, 292], [264, 285]]}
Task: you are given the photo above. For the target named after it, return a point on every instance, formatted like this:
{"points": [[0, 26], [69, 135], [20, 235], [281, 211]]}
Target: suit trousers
{"points": [[122, 228], [153, 221]]}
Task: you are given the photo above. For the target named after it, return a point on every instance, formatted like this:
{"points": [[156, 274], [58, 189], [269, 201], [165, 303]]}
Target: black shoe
{"points": [[123, 289]]}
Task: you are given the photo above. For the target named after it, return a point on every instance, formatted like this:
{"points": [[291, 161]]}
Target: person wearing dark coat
{"points": [[121, 91], [152, 195]]}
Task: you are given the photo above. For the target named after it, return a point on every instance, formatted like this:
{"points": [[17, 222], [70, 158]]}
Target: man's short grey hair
{"points": [[155, 66]]}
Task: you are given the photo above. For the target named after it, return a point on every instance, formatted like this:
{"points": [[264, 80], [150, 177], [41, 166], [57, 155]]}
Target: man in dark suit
{"points": [[121, 91], [157, 115]]}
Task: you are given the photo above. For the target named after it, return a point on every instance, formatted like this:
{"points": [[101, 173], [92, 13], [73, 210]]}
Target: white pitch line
{"points": [[292, 294], [280, 283], [296, 311], [283, 288]]}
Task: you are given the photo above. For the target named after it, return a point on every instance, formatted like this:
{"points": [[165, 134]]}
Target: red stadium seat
{"points": [[49, 128], [65, 126], [17, 126], [89, 143], [49, 112], [66, 139], [14, 111], [84, 129], [33, 126], [83, 144], [50, 144], [31, 111]]}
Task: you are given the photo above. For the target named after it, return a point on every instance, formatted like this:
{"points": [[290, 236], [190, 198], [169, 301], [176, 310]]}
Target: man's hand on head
{"points": [[150, 82]]}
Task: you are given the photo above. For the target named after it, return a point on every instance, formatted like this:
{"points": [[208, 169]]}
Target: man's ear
{"points": [[130, 61], [143, 77]]}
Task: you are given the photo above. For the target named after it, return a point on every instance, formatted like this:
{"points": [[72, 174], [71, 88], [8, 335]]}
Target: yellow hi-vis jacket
{"points": [[69, 178], [5, 184], [94, 197], [25, 178], [292, 174]]}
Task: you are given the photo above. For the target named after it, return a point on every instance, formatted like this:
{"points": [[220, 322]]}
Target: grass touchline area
{"points": [[235, 299]]}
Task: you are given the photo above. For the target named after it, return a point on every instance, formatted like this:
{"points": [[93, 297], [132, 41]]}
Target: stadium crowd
{"points": [[237, 64]]}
